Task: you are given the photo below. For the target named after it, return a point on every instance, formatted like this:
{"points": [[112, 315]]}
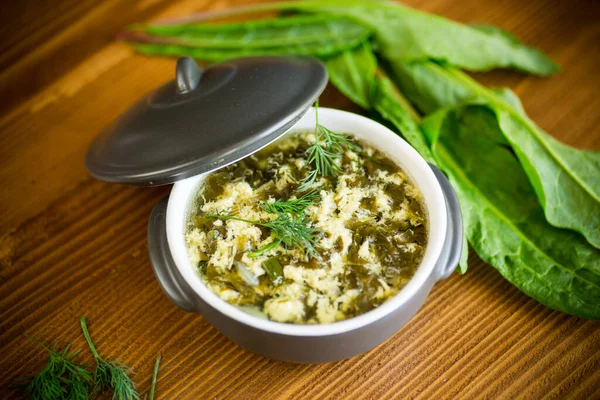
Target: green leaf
{"points": [[403, 34], [463, 263], [566, 180], [317, 49], [494, 31], [319, 36], [428, 86], [504, 221], [558, 174], [283, 31], [353, 73], [388, 104], [510, 98]]}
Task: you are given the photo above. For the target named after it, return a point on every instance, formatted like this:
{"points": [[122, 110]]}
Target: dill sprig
{"points": [[287, 229], [292, 206], [110, 374], [291, 228], [61, 378], [324, 152]]}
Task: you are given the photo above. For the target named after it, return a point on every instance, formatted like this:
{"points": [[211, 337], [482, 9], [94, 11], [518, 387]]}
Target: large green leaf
{"points": [[267, 33], [319, 49], [404, 34], [353, 73], [319, 36], [566, 180], [428, 86], [554, 170], [503, 219]]}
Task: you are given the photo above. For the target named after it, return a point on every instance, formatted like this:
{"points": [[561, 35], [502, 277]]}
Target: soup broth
{"points": [[369, 227]]}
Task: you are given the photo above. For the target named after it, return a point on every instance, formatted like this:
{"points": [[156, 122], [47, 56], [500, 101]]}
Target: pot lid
{"points": [[206, 119]]}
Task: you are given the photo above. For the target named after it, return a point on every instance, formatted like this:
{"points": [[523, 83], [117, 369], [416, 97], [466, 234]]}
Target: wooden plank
{"points": [[71, 246]]}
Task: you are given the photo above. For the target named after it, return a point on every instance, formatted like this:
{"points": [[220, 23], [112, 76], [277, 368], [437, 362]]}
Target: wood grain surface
{"points": [[72, 246]]}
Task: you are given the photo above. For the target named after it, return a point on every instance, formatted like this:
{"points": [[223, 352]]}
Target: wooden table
{"points": [[72, 246]]}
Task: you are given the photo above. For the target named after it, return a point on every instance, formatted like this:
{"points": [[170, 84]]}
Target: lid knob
{"points": [[188, 75]]}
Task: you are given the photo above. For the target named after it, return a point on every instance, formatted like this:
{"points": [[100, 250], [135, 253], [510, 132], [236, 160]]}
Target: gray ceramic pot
{"points": [[313, 343]]}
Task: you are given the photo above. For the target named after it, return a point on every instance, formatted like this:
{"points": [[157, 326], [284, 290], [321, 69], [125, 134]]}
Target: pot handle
{"points": [[165, 270], [452, 250]]}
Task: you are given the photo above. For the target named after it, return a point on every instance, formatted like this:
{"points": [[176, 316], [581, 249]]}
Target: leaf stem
{"points": [[400, 98]]}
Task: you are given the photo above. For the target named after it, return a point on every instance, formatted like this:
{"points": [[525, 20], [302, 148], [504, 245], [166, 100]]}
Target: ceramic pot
{"points": [[325, 342]]}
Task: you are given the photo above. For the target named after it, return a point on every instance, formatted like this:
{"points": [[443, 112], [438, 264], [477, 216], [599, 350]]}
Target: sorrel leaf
{"points": [[300, 35], [353, 73], [283, 31], [403, 34], [566, 180], [504, 221]]}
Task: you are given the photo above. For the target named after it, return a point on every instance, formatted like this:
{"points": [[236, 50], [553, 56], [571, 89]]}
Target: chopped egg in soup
{"points": [[360, 233]]}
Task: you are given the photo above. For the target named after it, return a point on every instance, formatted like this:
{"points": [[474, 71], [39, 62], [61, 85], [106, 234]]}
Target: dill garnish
{"points": [[62, 377], [110, 374], [287, 229], [323, 154], [291, 228], [294, 206]]}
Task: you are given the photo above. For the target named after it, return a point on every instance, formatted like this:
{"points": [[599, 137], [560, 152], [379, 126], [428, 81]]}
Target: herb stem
{"points": [[88, 338], [154, 376], [264, 249], [218, 216]]}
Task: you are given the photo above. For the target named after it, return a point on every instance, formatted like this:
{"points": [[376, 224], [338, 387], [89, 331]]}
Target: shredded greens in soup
{"points": [[308, 250]]}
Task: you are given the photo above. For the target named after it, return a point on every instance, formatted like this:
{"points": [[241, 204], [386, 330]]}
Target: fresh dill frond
{"points": [[324, 152], [292, 207], [288, 230], [294, 231], [291, 228], [61, 377], [110, 374], [78, 387]]}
